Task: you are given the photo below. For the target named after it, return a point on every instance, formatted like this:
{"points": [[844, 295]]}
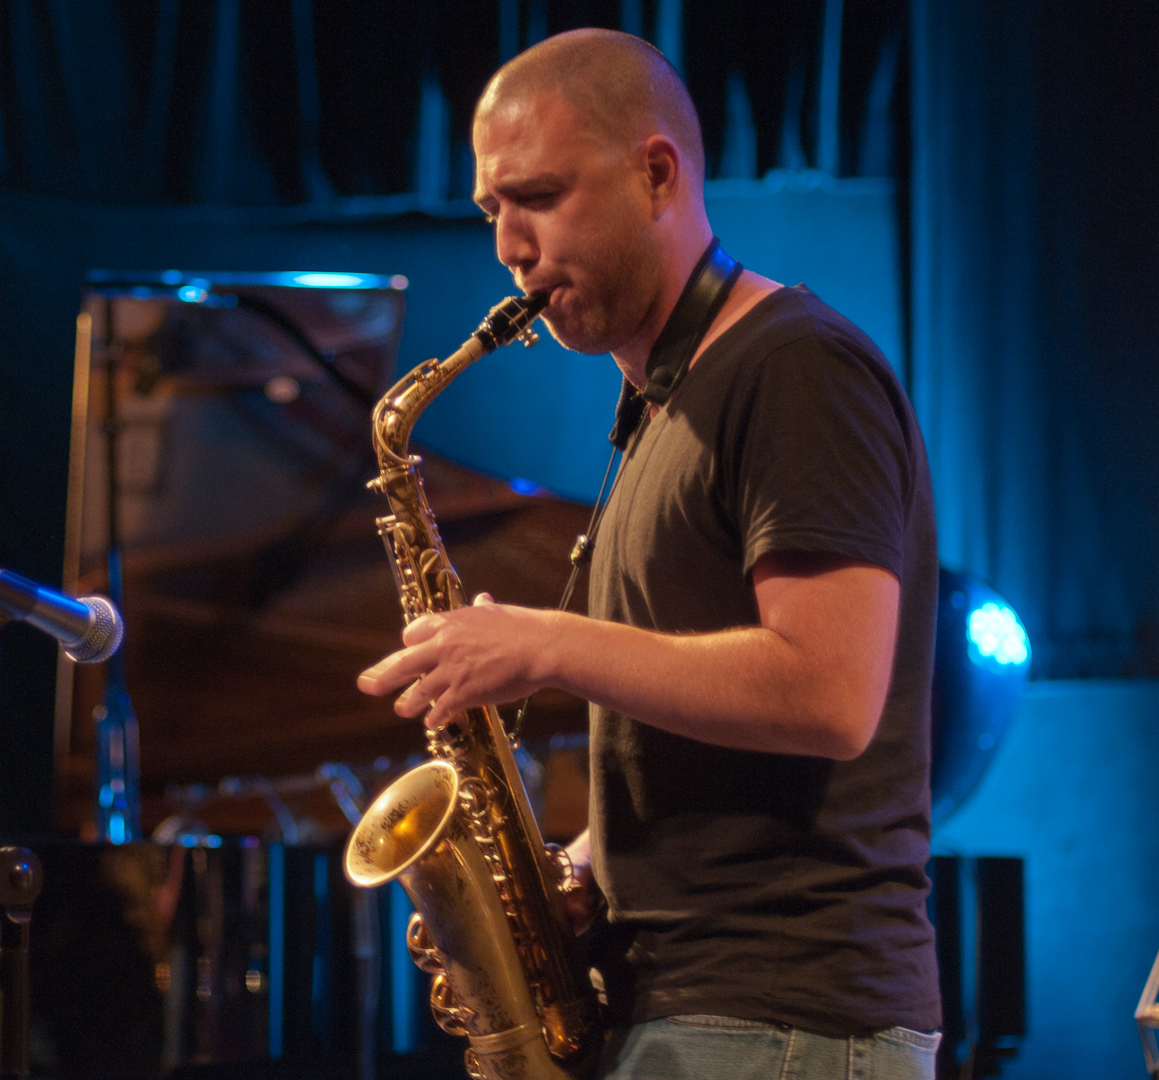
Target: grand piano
{"points": [[255, 588]]}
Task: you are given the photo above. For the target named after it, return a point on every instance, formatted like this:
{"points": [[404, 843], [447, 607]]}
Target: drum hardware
{"points": [[21, 877]]}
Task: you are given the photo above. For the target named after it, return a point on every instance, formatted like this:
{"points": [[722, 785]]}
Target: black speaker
{"points": [[977, 908]]}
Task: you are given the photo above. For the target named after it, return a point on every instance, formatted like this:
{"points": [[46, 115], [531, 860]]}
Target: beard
{"points": [[608, 292]]}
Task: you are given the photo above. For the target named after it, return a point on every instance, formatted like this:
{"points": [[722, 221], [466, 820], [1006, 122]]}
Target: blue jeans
{"points": [[726, 1048]]}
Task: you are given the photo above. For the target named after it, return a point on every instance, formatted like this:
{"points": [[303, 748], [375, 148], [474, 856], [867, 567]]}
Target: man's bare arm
{"points": [[811, 679]]}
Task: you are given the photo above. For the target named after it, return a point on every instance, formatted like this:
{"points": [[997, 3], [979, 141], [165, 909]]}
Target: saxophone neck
{"points": [[401, 406]]}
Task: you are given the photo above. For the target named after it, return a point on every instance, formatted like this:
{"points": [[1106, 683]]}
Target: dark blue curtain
{"points": [[1035, 348], [273, 102]]}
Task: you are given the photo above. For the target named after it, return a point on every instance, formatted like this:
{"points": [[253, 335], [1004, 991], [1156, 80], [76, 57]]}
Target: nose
{"points": [[516, 246]]}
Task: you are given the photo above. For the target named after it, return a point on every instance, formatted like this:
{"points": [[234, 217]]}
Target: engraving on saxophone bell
{"points": [[457, 832]]}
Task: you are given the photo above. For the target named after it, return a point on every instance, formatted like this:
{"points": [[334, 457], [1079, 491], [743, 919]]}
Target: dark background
{"points": [[250, 135]]}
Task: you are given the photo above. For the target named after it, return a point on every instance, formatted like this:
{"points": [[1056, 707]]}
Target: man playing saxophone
{"points": [[759, 642]]}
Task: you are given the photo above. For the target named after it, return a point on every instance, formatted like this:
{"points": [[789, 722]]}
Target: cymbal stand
{"points": [[20, 880]]}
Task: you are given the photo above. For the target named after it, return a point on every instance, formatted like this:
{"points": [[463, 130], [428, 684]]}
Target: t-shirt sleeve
{"points": [[823, 460]]}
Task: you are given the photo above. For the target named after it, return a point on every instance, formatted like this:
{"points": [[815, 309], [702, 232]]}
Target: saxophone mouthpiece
{"points": [[536, 302], [511, 321]]}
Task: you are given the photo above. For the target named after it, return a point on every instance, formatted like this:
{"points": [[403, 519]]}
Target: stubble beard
{"points": [[618, 282]]}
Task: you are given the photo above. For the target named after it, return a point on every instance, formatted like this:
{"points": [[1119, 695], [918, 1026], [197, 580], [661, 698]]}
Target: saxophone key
{"points": [[475, 798], [450, 1014], [454, 738], [421, 948], [560, 862], [431, 562], [471, 1064]]}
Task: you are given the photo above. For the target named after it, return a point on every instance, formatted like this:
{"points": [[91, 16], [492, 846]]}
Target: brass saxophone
{"points": [[458, 832]]}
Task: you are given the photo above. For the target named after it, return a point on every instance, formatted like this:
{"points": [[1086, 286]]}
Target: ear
{"points": [[665, 169]]}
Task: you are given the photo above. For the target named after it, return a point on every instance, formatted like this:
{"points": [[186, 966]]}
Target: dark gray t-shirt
{"points": [[767, 886]]}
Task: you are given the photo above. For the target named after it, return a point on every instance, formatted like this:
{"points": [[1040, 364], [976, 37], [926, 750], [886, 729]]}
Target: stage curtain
{"points": [[1035, 331]]}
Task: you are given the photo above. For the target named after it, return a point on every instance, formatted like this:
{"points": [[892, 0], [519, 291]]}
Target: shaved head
{"points": [[590, 166], [624, 87]]}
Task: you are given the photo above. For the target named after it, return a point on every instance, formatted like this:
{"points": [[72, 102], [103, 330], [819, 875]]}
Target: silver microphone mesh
{"points": [[103, 636]]}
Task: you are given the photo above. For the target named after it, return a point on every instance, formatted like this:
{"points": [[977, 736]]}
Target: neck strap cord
{"points": [[704, 295]]}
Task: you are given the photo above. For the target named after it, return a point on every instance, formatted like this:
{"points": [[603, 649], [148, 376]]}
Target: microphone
{"points": [[89, 628]]}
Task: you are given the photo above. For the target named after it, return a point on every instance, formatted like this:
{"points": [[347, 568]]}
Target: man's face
{"points": [[572, 215]]}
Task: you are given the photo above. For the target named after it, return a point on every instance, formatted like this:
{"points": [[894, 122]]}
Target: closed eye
{"points": [[544, 201], [538, 200]]}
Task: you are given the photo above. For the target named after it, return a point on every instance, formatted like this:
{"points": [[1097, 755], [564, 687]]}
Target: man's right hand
{"points": [[584, 900]]}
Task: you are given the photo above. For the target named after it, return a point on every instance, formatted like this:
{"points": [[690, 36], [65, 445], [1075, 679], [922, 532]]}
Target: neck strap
{"points": [[704, 295]]}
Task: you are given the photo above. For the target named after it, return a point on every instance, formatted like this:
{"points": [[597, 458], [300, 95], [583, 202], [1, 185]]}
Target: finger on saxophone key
{"points": [[414, 701]]}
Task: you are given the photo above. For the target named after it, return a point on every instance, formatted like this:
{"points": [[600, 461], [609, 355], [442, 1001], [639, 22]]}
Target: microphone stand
{"points": [[20, 881], [118, 755]]}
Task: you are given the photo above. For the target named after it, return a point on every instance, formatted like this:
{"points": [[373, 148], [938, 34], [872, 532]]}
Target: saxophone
{"points": [[457, 832]]}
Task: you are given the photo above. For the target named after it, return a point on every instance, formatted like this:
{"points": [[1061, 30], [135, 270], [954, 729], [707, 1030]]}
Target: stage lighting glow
{"points": [[982, 662], [192, 840], [117, 828], [399, 281], [283, 389], [105, 798], [192, 294], [328, 281], [171, 277], [996, 634], [522, 486]]}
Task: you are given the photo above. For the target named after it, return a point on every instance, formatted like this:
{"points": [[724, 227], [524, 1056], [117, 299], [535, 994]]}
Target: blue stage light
{"points": [[328, 281], [524, 487], [192, 294], [981, 664], [997, 636], [117, 827]]}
